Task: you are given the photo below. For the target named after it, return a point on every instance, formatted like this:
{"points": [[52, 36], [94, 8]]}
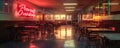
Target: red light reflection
{"points": [[32, 45], [43, 3], [112, 28], [31, 26]]}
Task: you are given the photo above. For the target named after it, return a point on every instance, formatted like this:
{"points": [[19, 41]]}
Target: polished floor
{"points": [[58, 43], [65, 37]]}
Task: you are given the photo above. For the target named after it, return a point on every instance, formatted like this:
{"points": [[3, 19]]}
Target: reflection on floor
{"points": [[63, 37], [69, 44], [40, 44]]}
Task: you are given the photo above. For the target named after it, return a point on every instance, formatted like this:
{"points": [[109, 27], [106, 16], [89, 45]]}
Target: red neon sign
{"points": [[23, 10]]}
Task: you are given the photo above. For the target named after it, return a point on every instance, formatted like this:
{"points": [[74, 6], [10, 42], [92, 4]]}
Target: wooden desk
{"points": [[99, 29]]}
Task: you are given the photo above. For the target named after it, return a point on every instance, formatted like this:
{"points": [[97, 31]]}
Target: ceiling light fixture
{"points": [[69, 10], [111, 3], [69, 3], [69, 7]]}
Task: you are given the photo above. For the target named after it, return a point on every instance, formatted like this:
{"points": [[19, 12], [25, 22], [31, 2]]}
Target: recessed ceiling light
{"points": [[69, 7], [111, 3], [69, 3], [69, 10]]}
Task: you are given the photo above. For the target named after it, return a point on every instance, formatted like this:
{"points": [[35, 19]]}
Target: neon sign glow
{"points": [[23, 10]]}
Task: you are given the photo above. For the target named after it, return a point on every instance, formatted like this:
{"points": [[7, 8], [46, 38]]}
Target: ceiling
{"points": [[58, 7]]}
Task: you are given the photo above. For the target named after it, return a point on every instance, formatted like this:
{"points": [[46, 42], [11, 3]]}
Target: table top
{"points": [[111, 36], [99, 29]]}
